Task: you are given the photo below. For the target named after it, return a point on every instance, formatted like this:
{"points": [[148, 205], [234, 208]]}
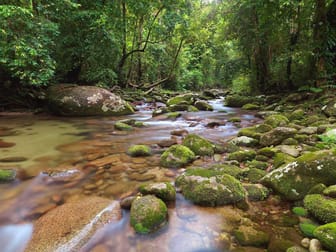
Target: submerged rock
{"points": [[249, 236], [177, 156], [139, 151], [162, 190], [294, 180], [72, 100], [148, 214], [203, 105], [199, 145], [209, 189], [7, 175]]}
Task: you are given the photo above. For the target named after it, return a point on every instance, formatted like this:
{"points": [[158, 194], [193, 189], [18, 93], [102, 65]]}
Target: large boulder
{"points": [[177, 156], [276, 136], [187, 99], [148, 214], [210, 189], [238, 100], [276, 120], [72, 100], [330, 108], [199, 145], [294, 180]]}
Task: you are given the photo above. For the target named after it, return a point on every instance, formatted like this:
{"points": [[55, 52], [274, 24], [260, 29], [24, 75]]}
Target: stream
{"points": [[69, 159]]}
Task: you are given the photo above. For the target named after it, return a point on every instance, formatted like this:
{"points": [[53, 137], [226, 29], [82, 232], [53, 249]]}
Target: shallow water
{"points": [[66, 158]]}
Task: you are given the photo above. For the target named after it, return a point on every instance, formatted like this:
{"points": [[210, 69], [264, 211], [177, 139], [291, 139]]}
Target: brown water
{"points": [[62, 159]]}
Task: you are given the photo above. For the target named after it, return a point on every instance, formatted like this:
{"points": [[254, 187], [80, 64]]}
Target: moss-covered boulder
{"points": [[148, 214], [255, 131], [276, 136], [162, 190], [7, 175], [255, 175], [237, 100], [297, 114], [249, 236], [210, 190], [256, 192], [243, 155], [199, 145], [251, 106], [330, 108], [294, 180], [321, 207], [182, 99], [220, 169], [276, 120], [327, 235], [139, 150], [203, 106], [178, 107], [244, 141], [307, 228], [267, 151], [330, 191], [296, 249], [72, 100], [177, 156]]}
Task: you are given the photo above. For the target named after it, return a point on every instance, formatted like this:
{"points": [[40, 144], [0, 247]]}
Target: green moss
{"points": [[243, 155], [326, 234], [177, 156], [276, 120], [173, 115], [237, 100], [248, 236], [178, 107], [317, 189], [300, 211], [322, 208], [281, 158], [267, 151], [261, 158], [203, 105], [192, 108], [7, 175], [249, 132], [290, 141], [256, 192], [183, 98], [148, 214], [296, 115], [257, 164], [122, 126], [330, 191], [308, 229], [234, 119], [232, 170], [139, 151], [199, 145], [296, 249], [251, 106], [255, 175]]}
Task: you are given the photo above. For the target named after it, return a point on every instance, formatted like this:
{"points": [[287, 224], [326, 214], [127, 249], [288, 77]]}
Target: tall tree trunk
{"points": [[139, 56], [320, 38], [294, 36]]}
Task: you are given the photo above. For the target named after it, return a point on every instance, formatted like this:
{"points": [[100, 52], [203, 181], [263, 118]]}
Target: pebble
{"points": [[315, 246], [305, 242]]}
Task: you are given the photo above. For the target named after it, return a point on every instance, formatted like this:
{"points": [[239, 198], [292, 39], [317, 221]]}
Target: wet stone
{"points": [[141, 177]]}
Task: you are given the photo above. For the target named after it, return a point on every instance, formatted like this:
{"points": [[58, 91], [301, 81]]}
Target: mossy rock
{"points": [[255, 175], [297, 114], [122, 126], [249, 236], [215, 190], [192, 108], [162, 190], [7, 175], [234, 119], [203, 106], [139, 150], [294, 180], [256, 192], [173, 115], [178, 107], [243, 155], [199, 145], [290, 141], [183, 98], [160, 111], [296, 249], [308, 229], [261, 158], [218, 169], [276, 120], [317, 189], [244, 141], [276, 136], [326, 234], [322, 208], [330, 191], [300, 211], [251, 106], [148, 214], [281, 158], [177, 156], [237, 100], [267, 151], [257, 164]]}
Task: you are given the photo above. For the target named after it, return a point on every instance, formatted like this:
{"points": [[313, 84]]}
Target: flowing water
{"points": [[70, 159]]}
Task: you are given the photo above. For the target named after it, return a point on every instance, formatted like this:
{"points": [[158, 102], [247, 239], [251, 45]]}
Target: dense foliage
{"points": [[178, 44]]}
